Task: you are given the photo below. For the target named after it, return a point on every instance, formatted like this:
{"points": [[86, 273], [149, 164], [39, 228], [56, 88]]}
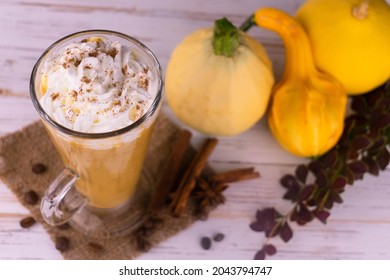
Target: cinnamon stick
{"points": [[187, 183], [236, 175], [171, 171]]}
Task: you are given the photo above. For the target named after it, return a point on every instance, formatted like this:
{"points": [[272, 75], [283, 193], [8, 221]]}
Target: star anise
{"points": [[209, 193]]}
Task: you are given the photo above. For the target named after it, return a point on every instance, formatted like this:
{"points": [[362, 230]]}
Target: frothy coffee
{"points": [[95, 86], [86, 87]]}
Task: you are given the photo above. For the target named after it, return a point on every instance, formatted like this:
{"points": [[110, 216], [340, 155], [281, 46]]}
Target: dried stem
{"points": [[360, 11], [247, 24], [323, 201]]}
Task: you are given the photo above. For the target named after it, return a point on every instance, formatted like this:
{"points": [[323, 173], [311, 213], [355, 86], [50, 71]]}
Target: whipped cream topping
{"points": [[95, 86]]}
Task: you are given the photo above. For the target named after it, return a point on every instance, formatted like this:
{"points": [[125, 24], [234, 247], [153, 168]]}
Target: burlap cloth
{"points": [[19, 151]]}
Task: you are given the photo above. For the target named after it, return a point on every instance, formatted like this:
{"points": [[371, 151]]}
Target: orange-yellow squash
{"points": [[350, 40], [218, 88], [308, 106]]}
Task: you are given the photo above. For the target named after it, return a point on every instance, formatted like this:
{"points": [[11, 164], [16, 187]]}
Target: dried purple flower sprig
{"points": [[363, 148]]}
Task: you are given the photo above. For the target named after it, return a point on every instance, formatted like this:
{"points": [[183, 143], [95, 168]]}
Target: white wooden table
{"points": [[357, 229]]}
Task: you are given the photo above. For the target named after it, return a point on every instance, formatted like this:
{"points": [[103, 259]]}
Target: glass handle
{"points": [[61, 201]]}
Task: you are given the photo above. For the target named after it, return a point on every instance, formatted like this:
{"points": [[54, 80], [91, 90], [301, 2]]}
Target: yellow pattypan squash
{"points": [[218, 81], [350, 40], [308, 106]]}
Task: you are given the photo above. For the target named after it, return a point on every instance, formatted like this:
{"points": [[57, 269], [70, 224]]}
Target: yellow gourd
{"points": [[219, 81], [350, 40], [308, 106]]}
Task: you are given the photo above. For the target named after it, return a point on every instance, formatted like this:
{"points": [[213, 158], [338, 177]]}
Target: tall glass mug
{"points": [[97, 192]]}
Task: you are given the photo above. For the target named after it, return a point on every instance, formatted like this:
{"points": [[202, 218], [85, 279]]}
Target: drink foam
{"points": [[96, 86]]}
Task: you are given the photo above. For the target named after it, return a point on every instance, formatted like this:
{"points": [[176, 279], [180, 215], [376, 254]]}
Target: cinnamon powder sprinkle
{"points": [[93, 54], [112, 53], [54, 96], [92, 99], [77, 63], [73, 93], [124, 70], [143, 82], [117, 103], [85, 80]]}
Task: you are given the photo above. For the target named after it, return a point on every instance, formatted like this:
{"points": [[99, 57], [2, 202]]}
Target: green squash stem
{"points": [[225, 39], [248, 23]]}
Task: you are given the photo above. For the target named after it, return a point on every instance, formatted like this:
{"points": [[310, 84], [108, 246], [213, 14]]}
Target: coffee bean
{"points": [[27, 222], [219, 237], [62, 243], [64, 226], [205, 242], [39, 168], [31, 197], [95, 246]]}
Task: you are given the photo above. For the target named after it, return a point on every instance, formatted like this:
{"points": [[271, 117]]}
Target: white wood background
{"points": [[357, 229]]}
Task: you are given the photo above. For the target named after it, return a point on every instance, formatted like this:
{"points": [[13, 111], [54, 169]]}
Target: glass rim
{"points": [[150, 112]]}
